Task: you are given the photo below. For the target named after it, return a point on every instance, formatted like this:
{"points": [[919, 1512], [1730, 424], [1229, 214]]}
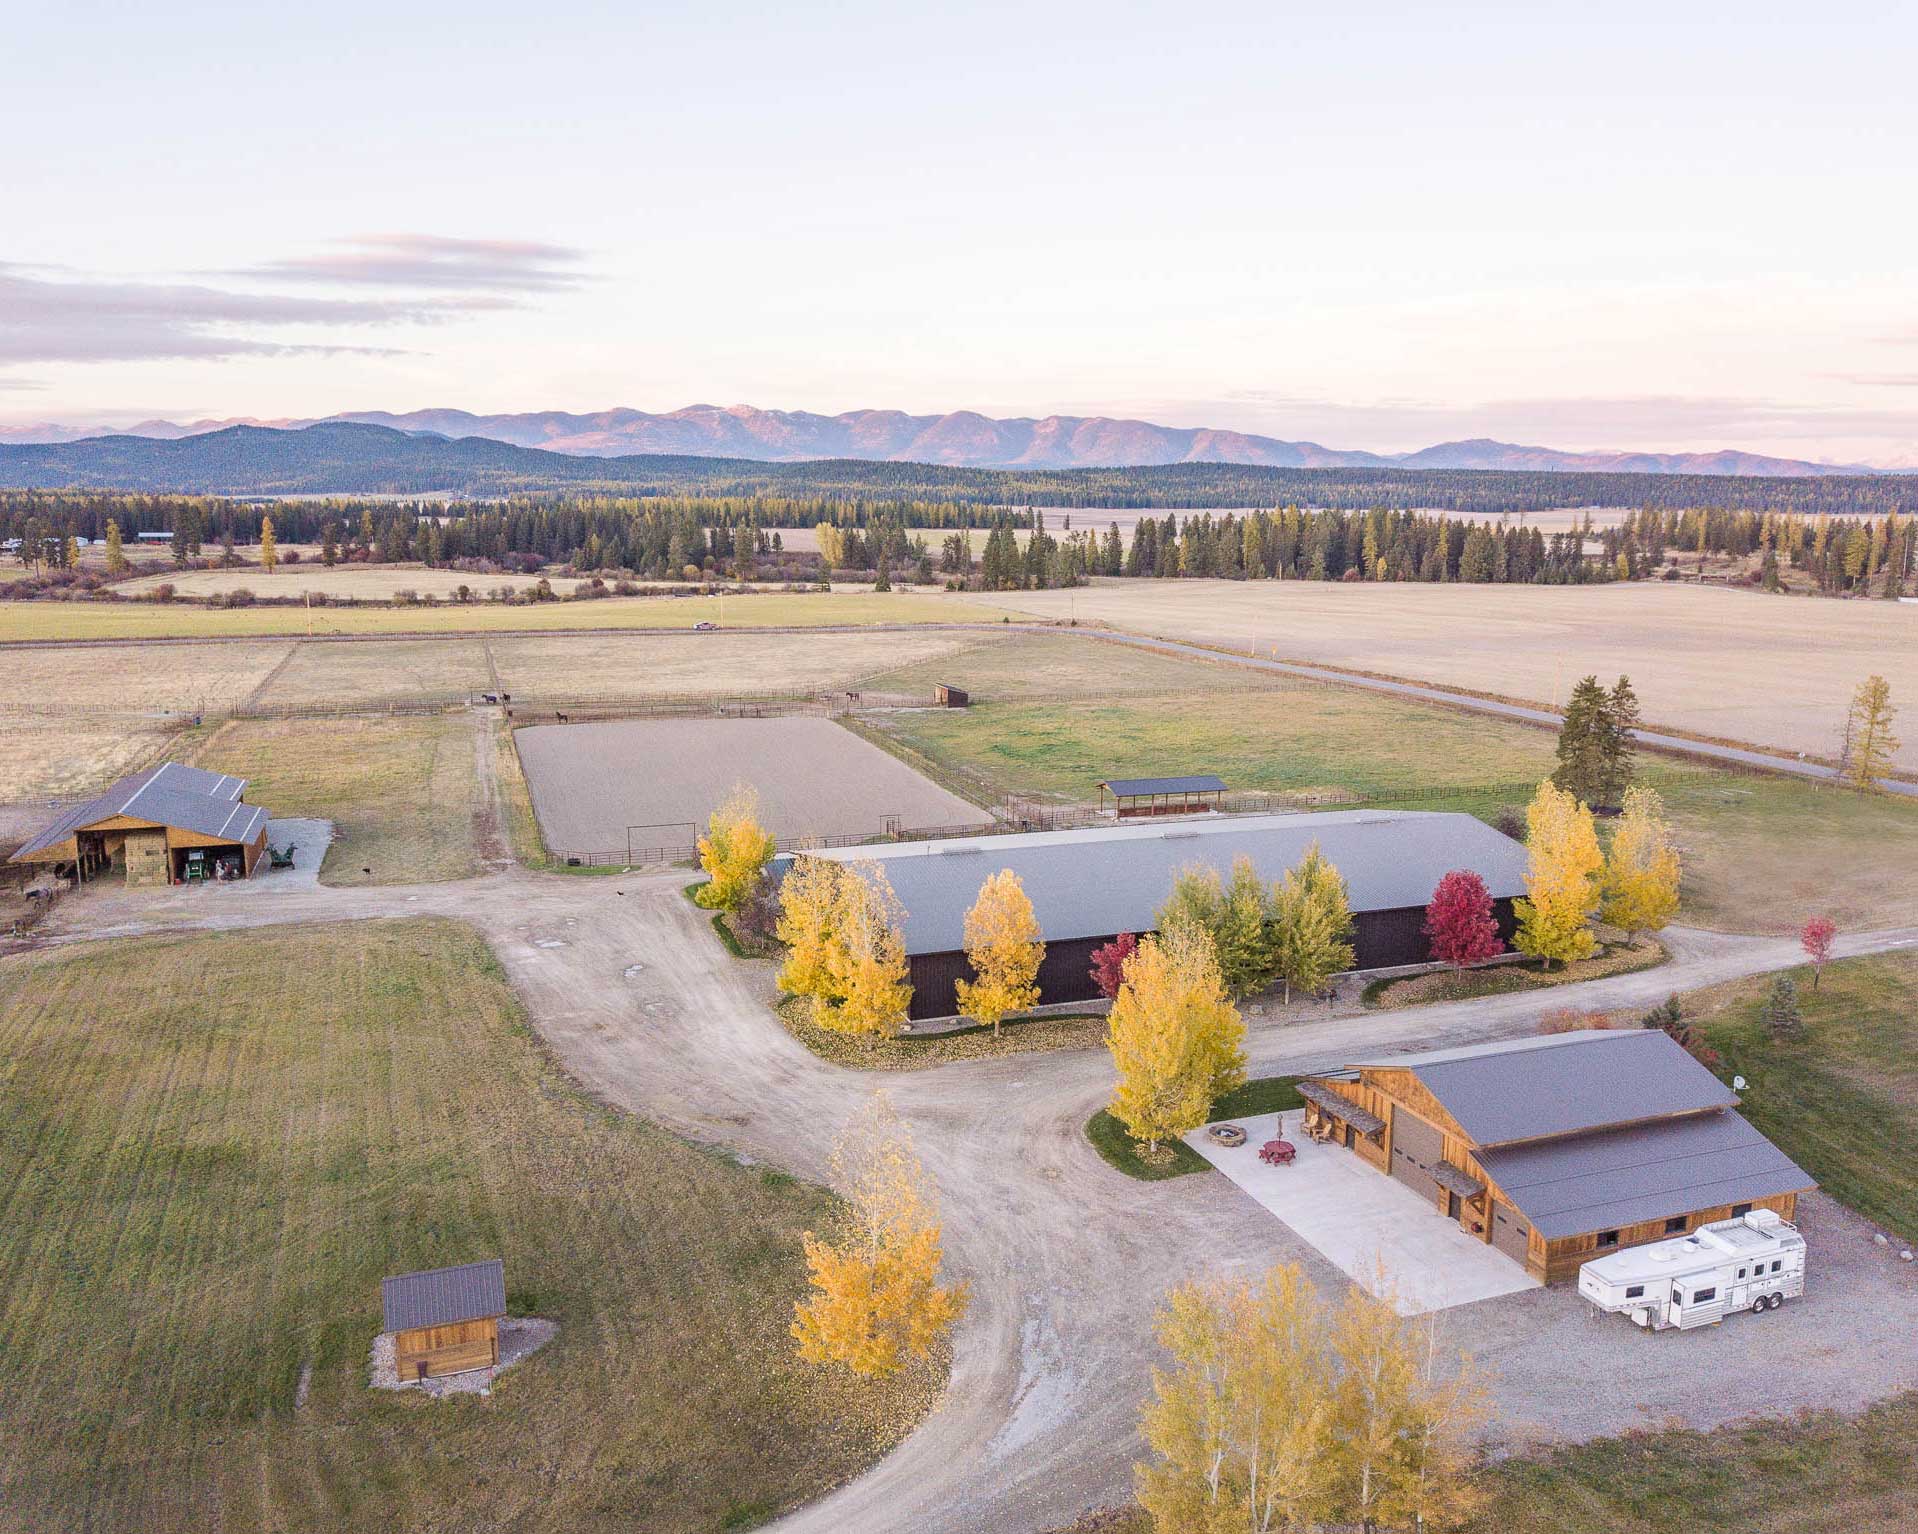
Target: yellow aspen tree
{"points": [[1562, 881], [1868, 729], [1312, 919], [116, 552], [1003, 947], [734, 851], [1175, 1038], [869, 976], [1642, 872], [269, 549], [1240, 1423], [808, 926], [877, 1300]]}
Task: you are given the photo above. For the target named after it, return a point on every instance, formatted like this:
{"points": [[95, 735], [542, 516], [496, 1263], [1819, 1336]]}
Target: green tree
{"points": [[1311, 922], [1583, 746]]}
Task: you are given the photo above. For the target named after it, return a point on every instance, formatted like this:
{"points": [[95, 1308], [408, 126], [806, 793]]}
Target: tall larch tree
{"points": [[1562, 879], [734, 851], [876, 1299], [1868, 732], [116, 552], [1642, 870], [269, 549], [1003, 947]]}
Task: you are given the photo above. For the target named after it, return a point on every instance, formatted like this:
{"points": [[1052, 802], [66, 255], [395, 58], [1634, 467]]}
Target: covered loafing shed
{"points": [[445, 1320], [1088, 886]]}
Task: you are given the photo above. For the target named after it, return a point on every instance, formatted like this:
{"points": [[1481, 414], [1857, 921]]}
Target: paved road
{"points": [[1067, 1259]]}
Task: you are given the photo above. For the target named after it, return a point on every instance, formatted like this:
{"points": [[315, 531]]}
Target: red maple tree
{"points": [[1108, 963], [1817, 937], [1459, 920]]}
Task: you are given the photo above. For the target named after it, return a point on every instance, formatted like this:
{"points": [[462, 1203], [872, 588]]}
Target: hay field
{"points": [[1761, 853], [770, 609], [591, 781], [392, 670], [730, 663], [216, 1148], [369, 583], [403, 793], [1735, 665], [78, 717]]}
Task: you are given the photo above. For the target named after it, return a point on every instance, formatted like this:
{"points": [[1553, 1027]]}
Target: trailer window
{"points": [[1703, 1295], [1777, 1265], [1741, 1272], [1636, 1291], [1739, 1210], [1608, 1238]]}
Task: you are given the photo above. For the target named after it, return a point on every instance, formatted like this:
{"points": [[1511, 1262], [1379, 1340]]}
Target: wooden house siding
{"points": [[452, 1349], [1559, 1261]]}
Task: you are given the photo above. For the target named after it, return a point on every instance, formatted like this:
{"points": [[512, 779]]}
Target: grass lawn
{"points": [[1820, 1474], [1054, 714], [402, 792], [213, 1148], [149, 620], [1503, 979], [1842, 1101], [1267, 1094]]}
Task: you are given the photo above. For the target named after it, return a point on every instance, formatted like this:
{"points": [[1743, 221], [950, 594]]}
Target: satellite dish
{"points": [[1738, 1083]]}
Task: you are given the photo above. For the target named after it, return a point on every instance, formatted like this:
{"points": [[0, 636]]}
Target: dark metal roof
{"points": [[1197, 783], [1114, 878], [1342, 1108], [1566, 1083], [188, 798], [1455, 1179], [443, 1296], [1649, 1171]]}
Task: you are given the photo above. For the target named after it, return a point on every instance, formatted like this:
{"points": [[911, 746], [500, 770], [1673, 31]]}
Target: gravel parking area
{"points": [[590, 782]]}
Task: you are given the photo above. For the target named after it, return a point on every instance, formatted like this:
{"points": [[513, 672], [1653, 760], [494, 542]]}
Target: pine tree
{"points": [[1782, 1014], [330, 544], [1618, 741], [1562, 881], [1583, 748], [1003, 947]]}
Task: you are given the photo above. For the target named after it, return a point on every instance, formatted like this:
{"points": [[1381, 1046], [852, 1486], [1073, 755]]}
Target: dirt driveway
{"points": [[1068, 1258]]}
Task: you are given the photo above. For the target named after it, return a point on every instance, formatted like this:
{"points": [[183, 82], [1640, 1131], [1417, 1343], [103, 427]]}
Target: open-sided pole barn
{"points": [[167, 825]]}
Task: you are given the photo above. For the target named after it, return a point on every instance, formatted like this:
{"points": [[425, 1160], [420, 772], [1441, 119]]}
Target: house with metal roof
{"points": [[1088, 886], [1559, 1148], [169, 824], [445, 1320]]}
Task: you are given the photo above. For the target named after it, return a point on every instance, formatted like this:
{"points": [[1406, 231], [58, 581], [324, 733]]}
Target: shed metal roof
{"points": [[443, 1296], [1110, 879], [1648, 1171], [1197, 783], [189, 798], [1591, 1079]]}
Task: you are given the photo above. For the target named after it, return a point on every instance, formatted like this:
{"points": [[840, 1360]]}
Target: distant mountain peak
{"points": [[955, 439]]}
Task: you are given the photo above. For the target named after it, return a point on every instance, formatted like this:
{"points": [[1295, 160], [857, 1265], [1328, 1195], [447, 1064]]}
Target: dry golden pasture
{"points": [[392, 670], [1770, 670], [371, 583], [215, 1148]]}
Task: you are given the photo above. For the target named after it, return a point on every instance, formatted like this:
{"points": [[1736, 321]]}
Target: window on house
{"points": [[1635, 1291], [1703, 1295], [1608, 1238], [1676, 1223], [1740, 1210]]}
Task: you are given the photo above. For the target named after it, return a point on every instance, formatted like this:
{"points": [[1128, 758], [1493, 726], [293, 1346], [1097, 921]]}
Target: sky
{"points": [[1373, 225]]}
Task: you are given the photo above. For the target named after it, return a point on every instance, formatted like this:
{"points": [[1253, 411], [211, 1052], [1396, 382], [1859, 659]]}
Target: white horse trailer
{"points": [[1754, 1263]]}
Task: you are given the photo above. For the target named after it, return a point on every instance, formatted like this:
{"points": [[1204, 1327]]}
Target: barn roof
{"points": [[1649, 1171], [188, 798], [443, 1296], [1197, 783], [1565, 1084], [1114, 878]]}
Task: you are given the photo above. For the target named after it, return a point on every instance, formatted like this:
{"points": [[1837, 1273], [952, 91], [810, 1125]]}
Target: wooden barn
{"points": [[1087, 886], [1143, 798], [1560, 1148], [948, 696], [167, 825], [445, 1320]]}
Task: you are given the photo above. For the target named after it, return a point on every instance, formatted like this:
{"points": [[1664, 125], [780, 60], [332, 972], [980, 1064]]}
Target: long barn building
{"points": [[1089, 886]]}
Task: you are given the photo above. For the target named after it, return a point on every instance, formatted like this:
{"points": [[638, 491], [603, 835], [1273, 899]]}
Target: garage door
{"points": [[1510, 1233], [1416, 1149]]}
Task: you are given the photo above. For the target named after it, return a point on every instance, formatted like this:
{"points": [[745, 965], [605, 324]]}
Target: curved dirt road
{"points": [[1067, 1259]]}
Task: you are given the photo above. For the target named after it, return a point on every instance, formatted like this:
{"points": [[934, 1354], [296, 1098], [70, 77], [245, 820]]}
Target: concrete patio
{"points": [[1377, 1231]]}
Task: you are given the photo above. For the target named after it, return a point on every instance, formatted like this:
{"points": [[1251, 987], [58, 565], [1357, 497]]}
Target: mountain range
{"points": [[957, 439]]}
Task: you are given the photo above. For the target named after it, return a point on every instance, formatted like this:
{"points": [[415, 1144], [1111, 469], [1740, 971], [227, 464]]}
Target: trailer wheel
{"points": [[1776, 1300], [1758, 1306]]}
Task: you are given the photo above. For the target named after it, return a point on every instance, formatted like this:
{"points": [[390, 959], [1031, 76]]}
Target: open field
{"points": [[146, 620], [1736, 665], [70, 758], [1762, 853], [402, 793], [395, 670], [640, 665], [590, 782], [1842, 1100], [368, 583], [215, 1149]]}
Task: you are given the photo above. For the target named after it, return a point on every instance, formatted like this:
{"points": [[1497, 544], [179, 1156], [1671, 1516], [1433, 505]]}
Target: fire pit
{"points": [[1228, 1135]]}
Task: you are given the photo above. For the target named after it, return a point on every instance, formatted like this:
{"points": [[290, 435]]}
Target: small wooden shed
{"points": [[445, 1320], [949, 696]]}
